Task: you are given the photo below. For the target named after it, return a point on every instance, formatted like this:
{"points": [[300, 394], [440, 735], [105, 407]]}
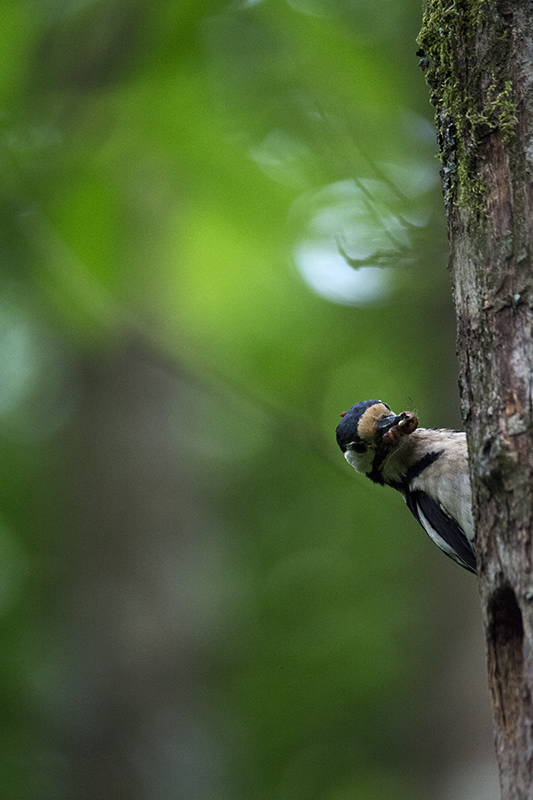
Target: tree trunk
{"points": [[133, 593], [478, 57]]}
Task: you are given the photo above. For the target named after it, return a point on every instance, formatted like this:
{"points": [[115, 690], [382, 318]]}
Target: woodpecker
{"points": [[429, 467]]}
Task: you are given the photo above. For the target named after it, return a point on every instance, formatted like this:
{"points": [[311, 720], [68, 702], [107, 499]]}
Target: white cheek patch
{"points": [[361, 462]]}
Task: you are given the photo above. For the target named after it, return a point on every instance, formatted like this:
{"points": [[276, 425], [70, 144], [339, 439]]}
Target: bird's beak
{"points": [[393, 427], [386, 423]]}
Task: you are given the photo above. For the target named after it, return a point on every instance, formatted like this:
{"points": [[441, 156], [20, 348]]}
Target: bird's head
{"points": [[371, 427]]}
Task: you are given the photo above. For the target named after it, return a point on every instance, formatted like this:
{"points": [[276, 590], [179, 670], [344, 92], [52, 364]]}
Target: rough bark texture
{"points": [[478, 57]]}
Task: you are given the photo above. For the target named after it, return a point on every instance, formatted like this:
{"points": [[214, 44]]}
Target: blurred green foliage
{"points": [[198, 598]]}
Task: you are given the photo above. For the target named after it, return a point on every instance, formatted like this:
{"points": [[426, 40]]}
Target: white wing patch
{"points": [[442, 529], [435, 537]]}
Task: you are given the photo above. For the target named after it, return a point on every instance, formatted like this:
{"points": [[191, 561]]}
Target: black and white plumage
{"points": [[429, 467]]}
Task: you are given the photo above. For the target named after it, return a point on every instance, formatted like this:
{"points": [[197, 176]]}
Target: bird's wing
{"points": [[443, 529]]}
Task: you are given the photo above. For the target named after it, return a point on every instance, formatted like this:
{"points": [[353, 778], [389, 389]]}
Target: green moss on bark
{"points": [[471, 100]]}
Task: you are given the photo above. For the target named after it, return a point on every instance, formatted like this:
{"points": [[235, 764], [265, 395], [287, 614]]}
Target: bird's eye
{"points": [[357, 447]]}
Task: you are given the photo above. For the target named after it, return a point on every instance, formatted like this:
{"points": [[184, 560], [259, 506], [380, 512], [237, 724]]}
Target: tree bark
{"points": [[478, 57]]}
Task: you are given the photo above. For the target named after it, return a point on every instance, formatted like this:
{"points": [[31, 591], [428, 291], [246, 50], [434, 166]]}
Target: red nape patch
{"points": [[343, 414]]}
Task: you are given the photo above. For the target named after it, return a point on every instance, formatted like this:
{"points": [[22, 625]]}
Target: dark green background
{"points": [[198, 598]]}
